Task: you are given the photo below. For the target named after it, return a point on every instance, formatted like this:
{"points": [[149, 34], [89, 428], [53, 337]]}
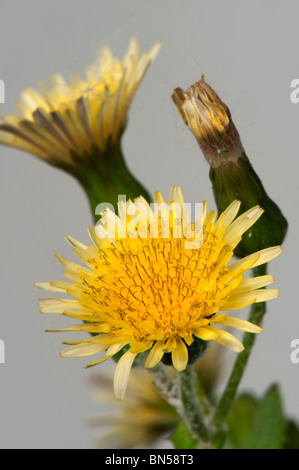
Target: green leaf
{"points": [[269, 425], [241, 419], [291, 435], [182, 438]]}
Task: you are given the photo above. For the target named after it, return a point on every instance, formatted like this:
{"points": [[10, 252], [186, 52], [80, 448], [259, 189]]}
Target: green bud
{"points": [[231, 172], [238, 180]]}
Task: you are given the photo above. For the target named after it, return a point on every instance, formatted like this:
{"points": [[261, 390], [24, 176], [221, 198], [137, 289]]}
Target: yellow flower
{"points": [[67, 122], [138, 422], [156, 282]]}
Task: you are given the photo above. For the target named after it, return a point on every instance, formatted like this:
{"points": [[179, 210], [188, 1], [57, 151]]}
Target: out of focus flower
{"points": [[231, 172], [140, 421], [155, 282], [211, 368]]}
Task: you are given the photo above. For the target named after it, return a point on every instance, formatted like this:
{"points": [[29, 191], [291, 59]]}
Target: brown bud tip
{"points": [[209, 119]]}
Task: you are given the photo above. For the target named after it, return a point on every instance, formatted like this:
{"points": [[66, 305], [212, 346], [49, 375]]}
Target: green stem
{"points": [[191, 410], [256, 315], [167, 385], [202, 396], [104, 176]]}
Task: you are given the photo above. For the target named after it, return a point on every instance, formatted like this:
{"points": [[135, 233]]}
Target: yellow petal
{"points": [[242, 299], [240, 324], [180, 355], [243, 264], [206, 334], [83, 349], [49, 287], [242, 224], [228, 340], [267, 255], [254, 283], [97, 361], [228, 215], [121, 374], [155, 355]]}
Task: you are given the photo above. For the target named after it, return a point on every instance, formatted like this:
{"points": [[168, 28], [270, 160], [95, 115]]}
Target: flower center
{"points": [[156, 289]]}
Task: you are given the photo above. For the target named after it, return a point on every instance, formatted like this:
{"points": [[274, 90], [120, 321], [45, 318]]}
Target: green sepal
{"points": [[238, 180], [196, 350]]}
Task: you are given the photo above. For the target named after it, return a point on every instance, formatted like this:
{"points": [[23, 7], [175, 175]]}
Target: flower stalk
{"points": [[167, 385], [191, 408], [106, 178]]}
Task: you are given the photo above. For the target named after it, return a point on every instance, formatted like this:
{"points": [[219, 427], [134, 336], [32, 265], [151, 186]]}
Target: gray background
{"points": [[249, 53]]}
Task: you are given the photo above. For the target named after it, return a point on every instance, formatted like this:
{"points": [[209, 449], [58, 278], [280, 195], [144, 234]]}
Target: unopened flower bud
{"points": [[231, 172]]}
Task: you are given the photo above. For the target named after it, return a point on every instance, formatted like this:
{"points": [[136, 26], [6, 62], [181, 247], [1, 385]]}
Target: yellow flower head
{"points": [[155, 282], [140, 421], [56, 124]]}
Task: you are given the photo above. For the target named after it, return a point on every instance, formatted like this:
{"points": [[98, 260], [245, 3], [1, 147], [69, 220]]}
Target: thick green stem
{"points": [[191, 409], [104, 177], [256, 315]]}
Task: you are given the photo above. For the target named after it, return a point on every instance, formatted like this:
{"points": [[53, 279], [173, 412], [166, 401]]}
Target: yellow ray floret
{"points": [[155, 282]]}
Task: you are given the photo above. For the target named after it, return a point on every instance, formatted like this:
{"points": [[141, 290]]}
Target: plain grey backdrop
{"points": [[249, 53]]}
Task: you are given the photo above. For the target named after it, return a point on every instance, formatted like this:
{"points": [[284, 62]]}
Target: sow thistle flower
{"points": [[77, 126], [55, 123], [231, 172], [156, 283]]}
